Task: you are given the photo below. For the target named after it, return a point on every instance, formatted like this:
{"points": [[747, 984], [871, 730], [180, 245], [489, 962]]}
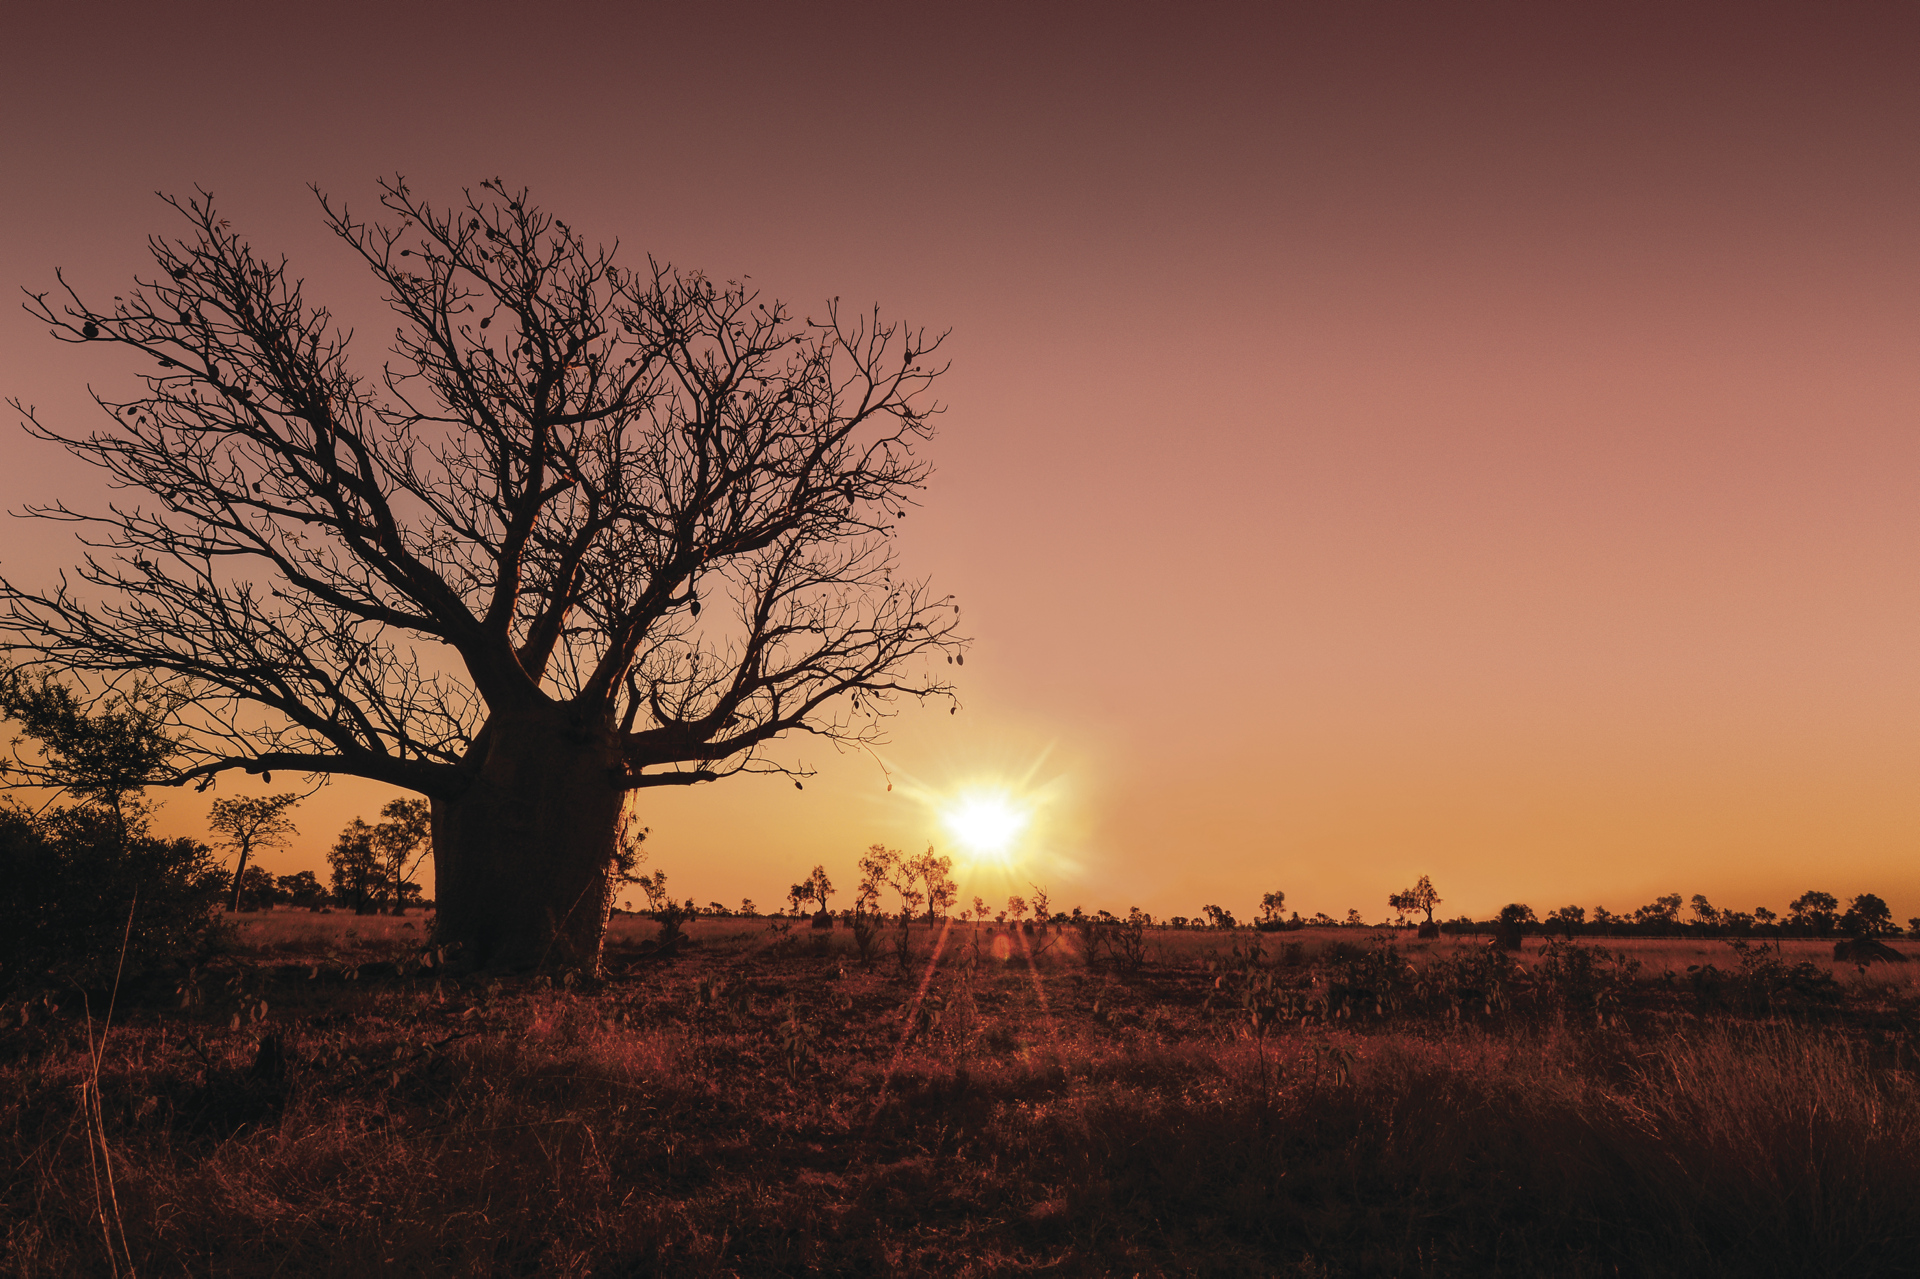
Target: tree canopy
{"points": [[559, 465]]}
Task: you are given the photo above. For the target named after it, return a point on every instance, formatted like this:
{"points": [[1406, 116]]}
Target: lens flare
{"points": [[985, 823]]}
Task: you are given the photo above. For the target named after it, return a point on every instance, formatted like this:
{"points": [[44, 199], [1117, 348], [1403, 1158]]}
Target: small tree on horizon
{"points": [[819, 887], [1868, 916], [1219, 917], [1569, 918], [1271, 904], [302, 890], [250, 823], [1814, 910], [1421, 897], [878, 867], [933, 874], [403, 838], [355, 868], [1662, 912], [654, 885]]}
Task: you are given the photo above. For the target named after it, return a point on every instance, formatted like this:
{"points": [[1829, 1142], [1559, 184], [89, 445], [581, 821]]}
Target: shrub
{"points": [[75, 876]]}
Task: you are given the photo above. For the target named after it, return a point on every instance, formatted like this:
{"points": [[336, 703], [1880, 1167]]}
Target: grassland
{"points": [[315, 1101]]}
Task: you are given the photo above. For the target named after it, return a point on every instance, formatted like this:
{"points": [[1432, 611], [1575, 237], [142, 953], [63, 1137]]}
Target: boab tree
{"points": [[479, 575]]}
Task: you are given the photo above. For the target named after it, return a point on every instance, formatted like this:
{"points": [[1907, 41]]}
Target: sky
{"points": [[1381, 440]]}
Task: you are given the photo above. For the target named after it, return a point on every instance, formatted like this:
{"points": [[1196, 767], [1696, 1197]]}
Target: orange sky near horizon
{"points": [[1383, 439]]}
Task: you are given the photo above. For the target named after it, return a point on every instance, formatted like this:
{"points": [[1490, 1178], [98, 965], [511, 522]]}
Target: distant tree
{"points": [[1815, 911], [1271, 904], [1569, 919], [818, 887], [1510, 925], [355, 865], [719, 910], [247, 823], [655, 888], [933, 876], [1868, 916], [1218, 917], [1354, 919], [1041, 904], [1420, 897], [747, 907], [1913, 926], [1763, 916], [1605, 919], [1016, 907], [302, 890], [258, 890], [1662, 912], [879, 866], [1703, 911], [402, 839]]}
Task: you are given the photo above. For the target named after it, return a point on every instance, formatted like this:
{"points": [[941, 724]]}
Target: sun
{"points": [[986, 824]]}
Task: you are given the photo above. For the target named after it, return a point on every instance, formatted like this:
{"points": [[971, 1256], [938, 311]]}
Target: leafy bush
{"points": [[1763, 984], [1585, 978], [74, 877]]}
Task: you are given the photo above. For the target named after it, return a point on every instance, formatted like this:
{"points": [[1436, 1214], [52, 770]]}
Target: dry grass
{"points": [[766, 1105]]}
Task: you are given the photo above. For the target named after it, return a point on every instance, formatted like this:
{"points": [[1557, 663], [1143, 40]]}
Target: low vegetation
{"points": [[770, 1097]]}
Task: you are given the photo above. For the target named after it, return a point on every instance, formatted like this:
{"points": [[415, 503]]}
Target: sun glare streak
{"points": [[907, 1025]]}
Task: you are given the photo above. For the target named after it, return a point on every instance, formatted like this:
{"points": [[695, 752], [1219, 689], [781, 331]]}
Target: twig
{"points": [[96, 1117]]}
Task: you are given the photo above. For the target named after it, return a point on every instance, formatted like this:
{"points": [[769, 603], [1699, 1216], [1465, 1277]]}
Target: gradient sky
{"points": [[1468, 440]]}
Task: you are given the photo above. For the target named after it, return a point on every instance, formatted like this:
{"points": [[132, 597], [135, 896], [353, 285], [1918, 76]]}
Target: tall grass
{"points": [[770, 1106]]}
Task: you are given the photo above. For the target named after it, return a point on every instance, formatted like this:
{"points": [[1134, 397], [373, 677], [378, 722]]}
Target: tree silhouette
{"points": [[1569, 918], [355, 868], [1510, 925], [301, 889], [1868, 916], [480, 575], [401, 841], [1815, 911], [816, 887], [248, 823], [102, 750], [1271, 904], [1660, 913], [1421, 897], [933, 876]]}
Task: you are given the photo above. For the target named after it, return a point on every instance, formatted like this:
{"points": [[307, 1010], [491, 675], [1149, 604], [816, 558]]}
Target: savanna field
{"points": [[318, 1097]]}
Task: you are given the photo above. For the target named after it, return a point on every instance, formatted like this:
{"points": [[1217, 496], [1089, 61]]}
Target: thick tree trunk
{"points": [[522, 857]]}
